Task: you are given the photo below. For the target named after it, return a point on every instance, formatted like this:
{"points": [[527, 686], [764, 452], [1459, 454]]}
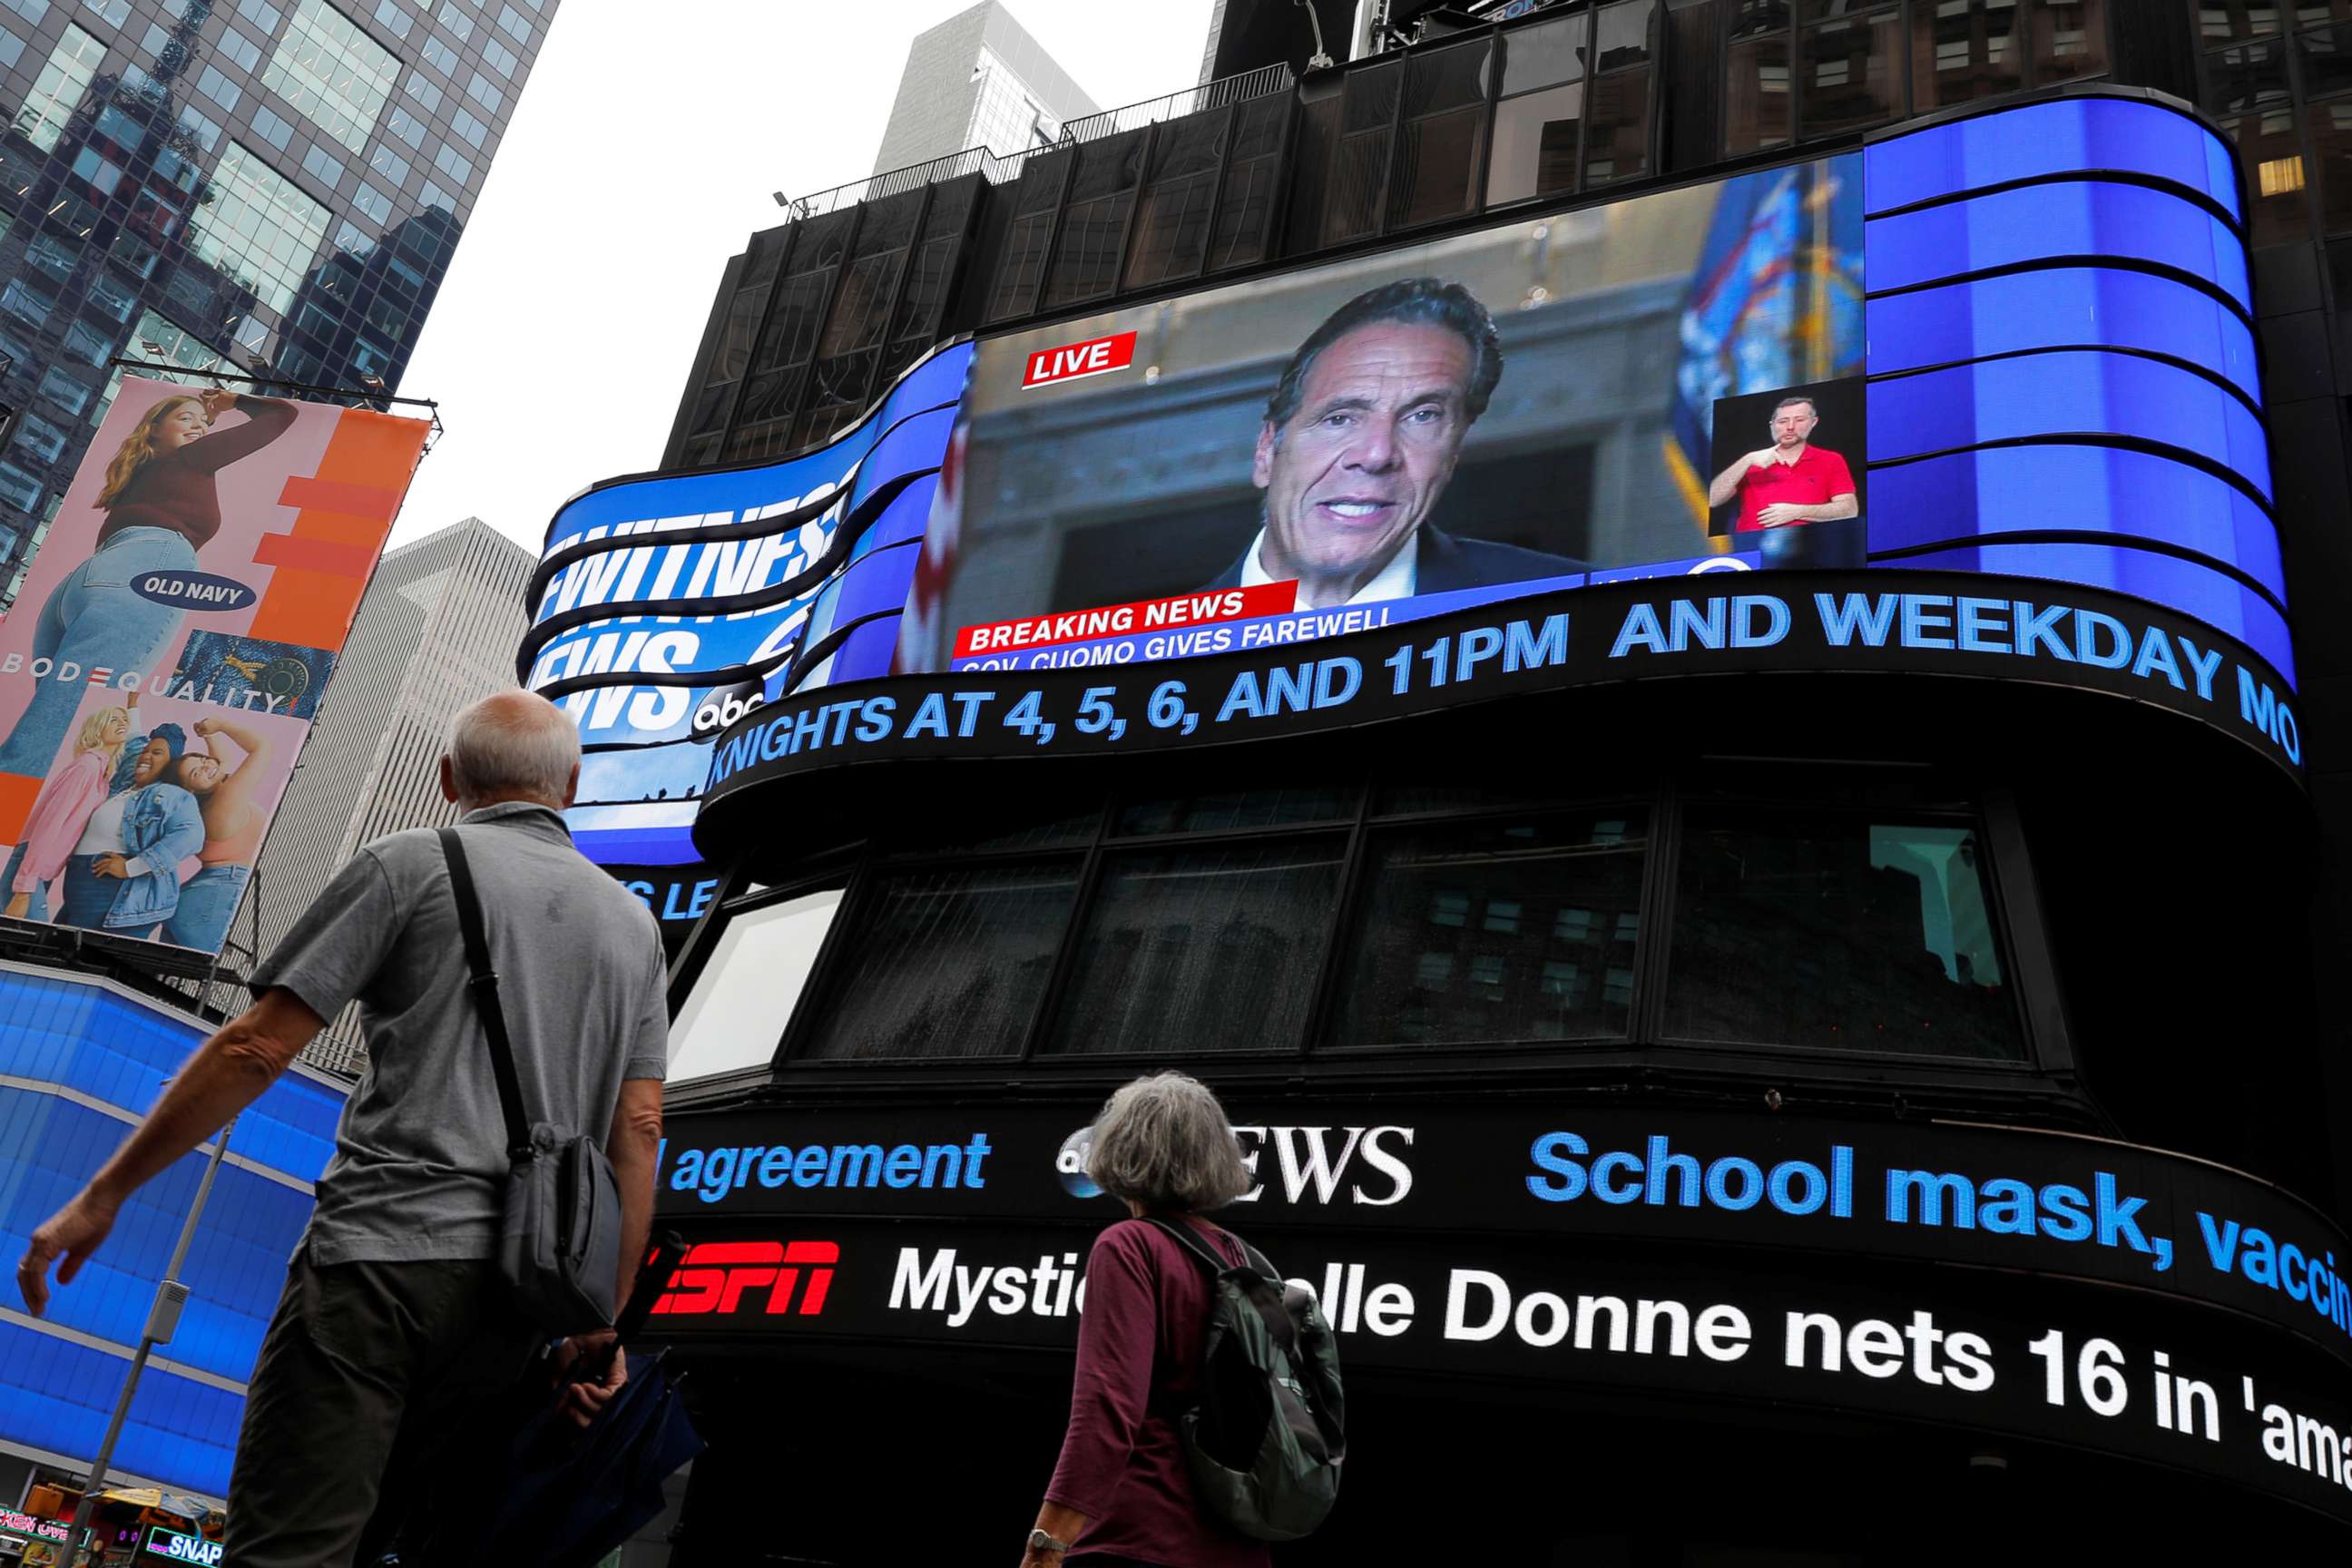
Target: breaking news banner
{"points": [[163, 664]]}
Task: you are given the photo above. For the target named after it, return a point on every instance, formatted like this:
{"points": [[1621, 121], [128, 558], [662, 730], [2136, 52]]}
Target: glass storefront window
{"points": [[1442, 135], [1541, 111], [1837, 932], [948, 963], [1519, 929], [747, 991], [1189, 952]]}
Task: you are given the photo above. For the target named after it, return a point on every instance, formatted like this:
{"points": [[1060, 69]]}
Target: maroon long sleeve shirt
{"points": [[1122, 1465], [174, 490]]}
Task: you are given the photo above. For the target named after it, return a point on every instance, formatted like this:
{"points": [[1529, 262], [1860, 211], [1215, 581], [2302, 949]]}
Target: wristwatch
{"points": [[1041, 1541]]}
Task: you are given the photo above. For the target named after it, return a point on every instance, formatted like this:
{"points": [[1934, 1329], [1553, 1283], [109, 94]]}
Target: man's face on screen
{"points": [[1379, 423]]}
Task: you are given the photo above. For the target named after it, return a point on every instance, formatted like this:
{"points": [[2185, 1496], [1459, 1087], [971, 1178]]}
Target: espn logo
{"points": [[712, 1279], [1076, 361]]}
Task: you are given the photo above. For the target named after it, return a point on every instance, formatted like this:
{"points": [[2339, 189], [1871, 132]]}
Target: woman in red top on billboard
{"points": [[162, 506]]}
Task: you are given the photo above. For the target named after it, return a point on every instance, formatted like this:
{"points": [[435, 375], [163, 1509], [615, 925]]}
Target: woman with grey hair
{"points": [[1122, 1494]]}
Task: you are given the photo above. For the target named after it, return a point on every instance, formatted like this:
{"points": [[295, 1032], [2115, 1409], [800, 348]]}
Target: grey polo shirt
{"points": [[420, 1158]]}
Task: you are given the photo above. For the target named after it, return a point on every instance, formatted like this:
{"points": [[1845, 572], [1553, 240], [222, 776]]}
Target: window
{"points": [[949, 963], [515, 24], [394, 15], [219, 89], [432, 196], [422, 91], [113, 13], [27, 301], [1441, 134], [453, 16], [97, 173], [90, 346], [348, 236], [112, 295], [440, 56], [260, 228], [372, 204], [64, 390], [58, 88], [501, 58], [1519, 928], [384, 160], [484, 92], [1214, 947], [333, 73], [450, 161], [1795, 927], [31, 10], [745, 995], [261, 14], [20, 489], [51, 257], [202, 128], [12, 49], [39, 439], [272, 126], [1541, 113], [472, 130], [405, 126], [240, 48], [327, 169]]}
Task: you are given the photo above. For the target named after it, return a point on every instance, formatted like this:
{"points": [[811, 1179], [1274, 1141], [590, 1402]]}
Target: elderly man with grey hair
{"points": [[393, 1325]]}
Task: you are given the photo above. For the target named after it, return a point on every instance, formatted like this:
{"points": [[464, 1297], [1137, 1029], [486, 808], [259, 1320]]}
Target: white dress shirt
{"points": [[1397, 580]]}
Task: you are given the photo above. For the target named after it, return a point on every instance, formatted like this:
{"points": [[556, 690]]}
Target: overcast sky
{"points": [[641, 158]]}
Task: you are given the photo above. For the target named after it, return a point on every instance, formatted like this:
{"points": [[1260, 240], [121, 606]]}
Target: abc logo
{"points": [[1070, 1164], [722, 709]]}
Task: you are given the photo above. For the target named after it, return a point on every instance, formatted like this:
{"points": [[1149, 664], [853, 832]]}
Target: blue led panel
{"points": [[2039, 139], [2036, 223], [2066, 394], [2079, 489], [2061, 308], [2219, 601]]}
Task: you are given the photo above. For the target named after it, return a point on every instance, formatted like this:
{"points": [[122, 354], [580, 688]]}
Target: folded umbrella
{"points": [[565, 1496]]}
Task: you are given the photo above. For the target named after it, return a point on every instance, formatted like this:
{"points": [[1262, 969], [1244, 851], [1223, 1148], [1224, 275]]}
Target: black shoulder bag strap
{"points": [[485, 987], [1268, 1303]]}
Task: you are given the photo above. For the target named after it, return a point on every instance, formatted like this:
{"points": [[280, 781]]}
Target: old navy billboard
{"points": [[2017, 344], [170, 648]]}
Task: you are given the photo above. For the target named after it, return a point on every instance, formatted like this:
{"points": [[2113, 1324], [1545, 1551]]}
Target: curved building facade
{"points": [[1810, 1043]]}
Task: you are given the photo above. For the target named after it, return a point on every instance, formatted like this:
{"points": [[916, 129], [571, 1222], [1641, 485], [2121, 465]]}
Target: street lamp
{"points": [[163, 1323]]}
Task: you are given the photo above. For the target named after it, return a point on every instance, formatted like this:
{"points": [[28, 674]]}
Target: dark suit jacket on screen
{"points": [[1446, 563]]}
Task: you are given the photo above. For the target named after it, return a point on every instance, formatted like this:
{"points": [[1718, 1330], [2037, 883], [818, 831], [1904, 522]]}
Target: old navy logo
{"points": [[1315, 1165], [1076, 361], [714, 1277]]}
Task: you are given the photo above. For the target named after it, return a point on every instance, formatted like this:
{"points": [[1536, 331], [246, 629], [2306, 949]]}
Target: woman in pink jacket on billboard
{"points": [[72, 793]]}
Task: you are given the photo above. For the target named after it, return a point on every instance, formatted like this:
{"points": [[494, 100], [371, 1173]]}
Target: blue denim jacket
{"points": [[162, 826]]}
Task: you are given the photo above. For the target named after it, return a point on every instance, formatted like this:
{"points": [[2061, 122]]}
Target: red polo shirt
{"points": [[1816, 476]]}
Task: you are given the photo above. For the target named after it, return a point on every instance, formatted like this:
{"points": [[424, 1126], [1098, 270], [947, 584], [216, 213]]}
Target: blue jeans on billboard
{"points": [[84, 898], [95, 618], [208, 902], [39, 909]]}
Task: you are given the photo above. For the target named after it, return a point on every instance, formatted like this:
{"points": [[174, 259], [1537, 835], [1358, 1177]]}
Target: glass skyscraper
{"points": [[270, 187]]}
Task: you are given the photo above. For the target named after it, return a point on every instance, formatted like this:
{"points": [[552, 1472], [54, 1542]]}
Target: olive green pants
{"points": [[365, 1394]]}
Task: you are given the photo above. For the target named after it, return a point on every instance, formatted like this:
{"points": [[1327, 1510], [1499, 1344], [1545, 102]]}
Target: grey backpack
{"points": [[1266, 1441]]}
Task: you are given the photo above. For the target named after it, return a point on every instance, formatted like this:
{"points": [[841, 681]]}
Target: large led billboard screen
{"points": [[169, 647], [2015, 344]]}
